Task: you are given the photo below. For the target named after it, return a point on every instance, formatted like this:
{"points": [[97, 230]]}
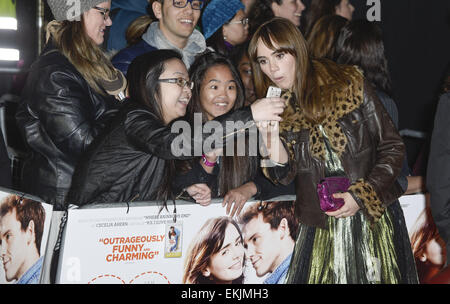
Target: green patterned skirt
{"points": [[349, 251]]}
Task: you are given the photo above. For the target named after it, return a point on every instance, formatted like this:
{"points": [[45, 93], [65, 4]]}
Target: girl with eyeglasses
{"points": [[225, 25], [71, 92], [135, 159]]}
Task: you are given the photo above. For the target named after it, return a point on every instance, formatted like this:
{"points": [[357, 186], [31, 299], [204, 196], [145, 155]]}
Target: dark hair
{"points": [[217, 42], [318, 9], [323, 36], [234, 170], [238, 52], [144, 88], [143, 74], [361, 43], [197, 73], [272, 213], [207, 242], [260, 12], [26, 211]]}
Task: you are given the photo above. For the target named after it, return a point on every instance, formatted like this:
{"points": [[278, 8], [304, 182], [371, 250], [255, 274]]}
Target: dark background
{"points": [[417, 42]]}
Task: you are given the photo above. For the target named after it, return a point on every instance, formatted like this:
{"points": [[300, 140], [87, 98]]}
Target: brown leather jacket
{"points": [[366, 141]]}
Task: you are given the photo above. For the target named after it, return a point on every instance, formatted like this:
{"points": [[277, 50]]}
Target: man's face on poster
{"points": [[262, 243], [13, 246]]}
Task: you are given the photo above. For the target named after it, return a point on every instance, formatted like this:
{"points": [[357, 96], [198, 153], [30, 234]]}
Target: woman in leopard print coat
{"points": [[334, 125]]}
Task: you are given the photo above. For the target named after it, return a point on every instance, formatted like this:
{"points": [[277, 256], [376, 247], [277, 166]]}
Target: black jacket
{"points": [[438, 172], [59, 115], [129, 161]]}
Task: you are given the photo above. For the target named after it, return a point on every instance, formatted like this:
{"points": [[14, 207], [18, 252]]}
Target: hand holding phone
{"points": [[273, 92]]}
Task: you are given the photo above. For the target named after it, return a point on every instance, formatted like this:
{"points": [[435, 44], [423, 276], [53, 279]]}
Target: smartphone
{"points": [[273, 92]]}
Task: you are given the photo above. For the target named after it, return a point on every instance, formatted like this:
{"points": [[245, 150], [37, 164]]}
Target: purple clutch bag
{"points": [[327, 187]]}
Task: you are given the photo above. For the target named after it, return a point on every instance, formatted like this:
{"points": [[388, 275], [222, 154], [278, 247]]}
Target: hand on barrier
{"points": [[200, 193], [239, 196]]}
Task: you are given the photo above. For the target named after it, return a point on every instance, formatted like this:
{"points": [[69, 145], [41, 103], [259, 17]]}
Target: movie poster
{"points": [[111, 245], [427, 246], [139, 244], [24, 229]]}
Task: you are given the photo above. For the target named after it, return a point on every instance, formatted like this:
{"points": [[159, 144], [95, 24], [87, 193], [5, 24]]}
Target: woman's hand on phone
{"points": [[268, 109]]}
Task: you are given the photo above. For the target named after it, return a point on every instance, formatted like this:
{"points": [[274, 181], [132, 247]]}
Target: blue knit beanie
{"points": [[217, 13]]}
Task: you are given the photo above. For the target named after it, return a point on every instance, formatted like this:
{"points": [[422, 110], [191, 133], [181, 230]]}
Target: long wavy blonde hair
{"points": [[88, 58]]}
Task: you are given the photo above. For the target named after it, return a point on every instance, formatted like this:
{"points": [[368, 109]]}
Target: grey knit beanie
{"points": [[71, 9]]}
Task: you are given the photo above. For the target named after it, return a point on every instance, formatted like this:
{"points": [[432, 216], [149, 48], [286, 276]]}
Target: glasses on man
{"points": [[195, 4], [243, 21], [179, 81], [103, 11]]}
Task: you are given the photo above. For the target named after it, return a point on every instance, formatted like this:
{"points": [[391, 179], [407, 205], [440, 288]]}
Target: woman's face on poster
{"points": [[434, 252], [226, 265]]}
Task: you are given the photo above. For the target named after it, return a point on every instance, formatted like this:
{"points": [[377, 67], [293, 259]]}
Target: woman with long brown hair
{"points": [[216, 255], [334, 132], [69, 97]]}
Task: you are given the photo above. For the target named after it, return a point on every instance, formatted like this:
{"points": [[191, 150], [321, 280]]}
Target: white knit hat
{"points": [[71, 9]]}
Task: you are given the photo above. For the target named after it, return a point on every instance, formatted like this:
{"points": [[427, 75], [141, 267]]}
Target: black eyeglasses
{"points": [[179, 81], [103, 11], [195, 4]]}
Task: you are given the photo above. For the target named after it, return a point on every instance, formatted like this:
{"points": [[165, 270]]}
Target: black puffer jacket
{"points": [[59, 116], [129, 161]]}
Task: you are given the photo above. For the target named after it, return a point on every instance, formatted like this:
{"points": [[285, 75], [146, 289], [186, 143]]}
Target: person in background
{"points": [[175, 29], [264, 10], [360, 43], [439, 166], [71, 93], [323, 36], [224, 25], [248, 4], [334, 127], [320, 8], [124, 13], [239, 57]]}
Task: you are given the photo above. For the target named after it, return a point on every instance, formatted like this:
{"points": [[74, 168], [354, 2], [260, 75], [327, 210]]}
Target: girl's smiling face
{"points": [[218, 91]]}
